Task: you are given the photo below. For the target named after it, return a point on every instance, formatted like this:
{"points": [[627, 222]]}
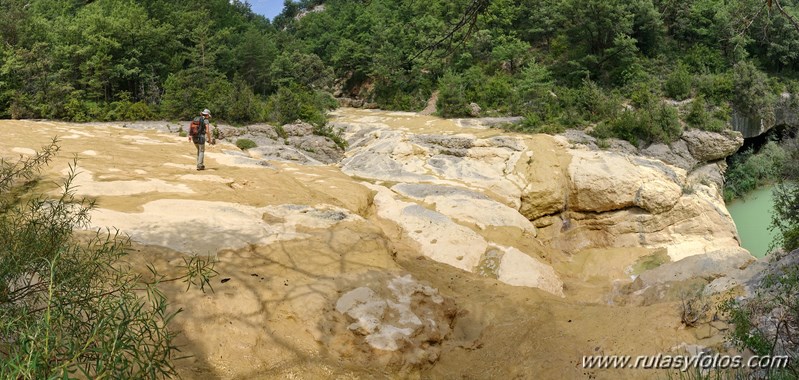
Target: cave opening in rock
{"points": [[778, 133]]}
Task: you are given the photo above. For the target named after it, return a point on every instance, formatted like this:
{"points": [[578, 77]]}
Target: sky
{"points": [[268, 8]]}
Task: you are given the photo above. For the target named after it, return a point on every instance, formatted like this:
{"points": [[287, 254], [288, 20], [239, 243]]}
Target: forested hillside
{"points": [[609, 64]]}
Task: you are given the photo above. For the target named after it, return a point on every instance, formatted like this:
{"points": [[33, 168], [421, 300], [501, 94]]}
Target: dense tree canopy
{"points": [[122, 59]]}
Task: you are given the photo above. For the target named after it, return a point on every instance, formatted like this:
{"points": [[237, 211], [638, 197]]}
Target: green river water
{"points": [[752, 216]]}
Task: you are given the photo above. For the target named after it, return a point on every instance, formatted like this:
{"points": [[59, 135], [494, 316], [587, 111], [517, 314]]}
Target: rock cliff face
{"points": [[785, 113]]}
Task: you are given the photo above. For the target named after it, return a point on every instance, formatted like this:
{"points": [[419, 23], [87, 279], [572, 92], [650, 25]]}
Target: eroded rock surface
{"points": [[399, 323], [711, 146]]}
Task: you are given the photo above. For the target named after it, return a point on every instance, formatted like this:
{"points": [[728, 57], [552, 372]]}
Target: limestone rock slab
{"points": [[605, 181], [711, 146]]}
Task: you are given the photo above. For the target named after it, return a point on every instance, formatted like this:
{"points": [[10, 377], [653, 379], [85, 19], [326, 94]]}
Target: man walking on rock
{"points": [[201, 135]]}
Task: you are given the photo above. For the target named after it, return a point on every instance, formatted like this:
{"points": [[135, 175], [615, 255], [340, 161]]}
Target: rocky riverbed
{"points": [[429, 248]]}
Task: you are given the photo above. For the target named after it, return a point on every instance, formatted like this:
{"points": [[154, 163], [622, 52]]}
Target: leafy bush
{"points": [[534, 86], [497, 94], [452, 101], [71, 309], [656, 123], [402, 92], [785, 219], [189, 91], [678, 83], [298, 103], [643, 94], [702, 59], [80, 111], [698, 117], [531, 123], [331, 133], [716, 88], [594, 103], [242, 105], [245, 144], [295, 68], [766, 322], [125, 110], [751, 92]]}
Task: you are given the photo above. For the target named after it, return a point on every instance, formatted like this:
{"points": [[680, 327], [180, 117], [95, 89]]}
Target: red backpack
{"points": [[194, 127]]}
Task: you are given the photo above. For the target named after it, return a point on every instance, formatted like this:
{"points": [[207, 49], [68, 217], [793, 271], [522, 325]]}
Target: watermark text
{"points": [[685, 362]]}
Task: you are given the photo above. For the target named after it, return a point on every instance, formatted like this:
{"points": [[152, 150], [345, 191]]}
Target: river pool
{"points": [[752, 216]]}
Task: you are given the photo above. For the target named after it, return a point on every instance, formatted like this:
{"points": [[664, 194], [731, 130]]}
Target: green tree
{"points": [[302, 69], [294, 102], [752, 95], [189, 91], [511, 53], [452, 101]]}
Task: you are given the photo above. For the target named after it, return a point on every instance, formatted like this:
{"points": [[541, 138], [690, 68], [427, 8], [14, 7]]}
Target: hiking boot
{"points": [[201, 168]]}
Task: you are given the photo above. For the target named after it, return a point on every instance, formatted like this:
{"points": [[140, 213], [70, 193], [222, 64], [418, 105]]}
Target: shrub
{"points": [[298, 103], [752, 95], [496, 94], [594, 103], [404, 92], [766, 322], [657, 123], [70, 309], [643, 94], [626, 127], [678, 83], [242, 105], [701, 59], [332, 134], [245, 144], [452, 96], [697, 115], [531, 123], [716, 88], [534, 83], [785, 219], [81, 111], [191, 90], [125, 110]]}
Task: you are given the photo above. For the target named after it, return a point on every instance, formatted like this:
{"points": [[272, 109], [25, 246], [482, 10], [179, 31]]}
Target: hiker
{"points": [[199, 132]]}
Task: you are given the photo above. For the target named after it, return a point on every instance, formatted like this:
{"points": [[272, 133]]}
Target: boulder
{"points": [[520, 269], [710, 266], [474, 110], [711, 146], [605, 181], [298, 128], [675, 154], [709, 174], [698, 223], [435, 234], [441, 239], [466, 206]]}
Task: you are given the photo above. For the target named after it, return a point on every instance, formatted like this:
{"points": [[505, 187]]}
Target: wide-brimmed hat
{"points": [[206, 112]]}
